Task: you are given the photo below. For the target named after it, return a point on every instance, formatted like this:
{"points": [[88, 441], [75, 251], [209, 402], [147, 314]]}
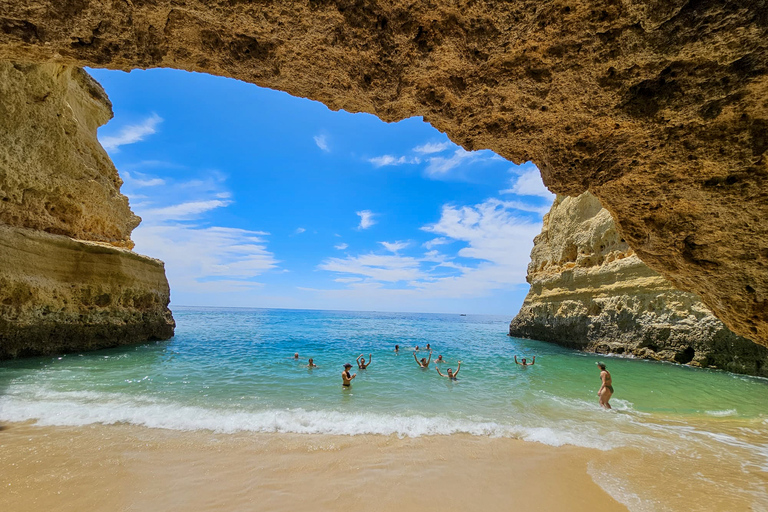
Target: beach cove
{"points": [[223, 401]]}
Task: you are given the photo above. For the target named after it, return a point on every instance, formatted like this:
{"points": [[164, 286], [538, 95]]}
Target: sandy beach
{"points": [[110, 468]]}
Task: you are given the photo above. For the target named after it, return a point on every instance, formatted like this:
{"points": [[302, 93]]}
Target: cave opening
{"points": [[253, 197]]}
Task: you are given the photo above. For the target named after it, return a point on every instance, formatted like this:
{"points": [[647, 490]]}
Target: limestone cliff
{"points": [[60, 295], [67, 279], [658, 107], [591, 292]]}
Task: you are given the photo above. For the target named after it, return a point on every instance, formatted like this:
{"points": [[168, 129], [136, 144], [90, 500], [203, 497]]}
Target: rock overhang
{"points": [[658, 108]]}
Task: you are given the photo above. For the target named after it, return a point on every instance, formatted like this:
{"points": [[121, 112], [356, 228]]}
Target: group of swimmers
{"points": [[604, 393]]}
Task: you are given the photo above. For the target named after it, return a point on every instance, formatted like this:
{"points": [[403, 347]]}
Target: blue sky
{"points": [[255, 198]]}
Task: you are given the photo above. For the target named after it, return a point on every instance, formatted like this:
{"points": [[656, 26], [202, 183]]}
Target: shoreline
{"points": [[127, 467]]}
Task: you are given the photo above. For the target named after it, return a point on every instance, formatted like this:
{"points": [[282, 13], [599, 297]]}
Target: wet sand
{"points": [[127, 468]]}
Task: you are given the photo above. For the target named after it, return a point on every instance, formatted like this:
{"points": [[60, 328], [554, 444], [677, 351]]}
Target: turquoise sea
{"points": [[231, 370]]}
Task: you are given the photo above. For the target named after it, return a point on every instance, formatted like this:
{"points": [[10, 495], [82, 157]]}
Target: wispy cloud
{"points": [[200, 259], [185, 211], [437, 241], [495, 238], [322, 143], [440, 166], [340, 247], [395, 246], [131, 134], [432, 147], [138, 180], [366, 219], [529, 184], [384, 160], [299, 231], [386, 268]]}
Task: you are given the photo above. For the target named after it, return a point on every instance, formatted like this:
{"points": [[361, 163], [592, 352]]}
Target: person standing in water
{"points": [[361, 361], [296, 355], [346, 378], [424, 363], [450, 375], [606, 387], [428, 347], [311, 363], [397, 349], [524, 363], [441, 360]]}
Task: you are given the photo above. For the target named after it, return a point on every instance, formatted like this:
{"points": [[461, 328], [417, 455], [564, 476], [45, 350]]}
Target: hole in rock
{"points": [[256, 198]]}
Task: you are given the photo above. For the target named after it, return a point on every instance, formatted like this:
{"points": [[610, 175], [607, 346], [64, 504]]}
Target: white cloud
{"points": [[208, 259], [384, 160], [131, 134], [437, 241], [300, 231], [140, 180], [497, 240], [341, 247], [386, 268], [322, 143], [394, 246], [366, 219], [439, 166], [432, 147], [185, 211], [529, 184]]}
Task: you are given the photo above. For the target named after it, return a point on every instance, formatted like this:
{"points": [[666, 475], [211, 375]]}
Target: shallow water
{"points": [[230, 370]]}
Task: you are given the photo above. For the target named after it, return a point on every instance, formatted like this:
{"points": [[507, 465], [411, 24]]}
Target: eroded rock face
{"points": [[54, 174], [590, 291], [67, 283], [60, 295], [658, 108]]}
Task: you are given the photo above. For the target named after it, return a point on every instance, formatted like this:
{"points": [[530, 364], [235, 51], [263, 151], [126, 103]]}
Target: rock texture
{"points": [[60, 295], [659, 108], [54, 174], [590, 291], [65, 283]]}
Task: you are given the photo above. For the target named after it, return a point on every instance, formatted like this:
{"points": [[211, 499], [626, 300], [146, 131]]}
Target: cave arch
{"points": [[658, 108]]}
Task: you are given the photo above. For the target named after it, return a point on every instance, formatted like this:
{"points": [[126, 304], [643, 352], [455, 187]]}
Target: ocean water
{"points": [[232, 370]]}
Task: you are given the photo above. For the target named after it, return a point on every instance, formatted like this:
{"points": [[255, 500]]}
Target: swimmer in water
{"points": [[311, 363], [296, 355], [397, 349], [361, 361], [424, 363], [417, 348], [450, 375], [346, 378], [440, 360], [428, 347], [525, 363], [606, 387]]}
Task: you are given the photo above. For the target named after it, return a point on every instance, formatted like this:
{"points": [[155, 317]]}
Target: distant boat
{"points": [[462, 314]]}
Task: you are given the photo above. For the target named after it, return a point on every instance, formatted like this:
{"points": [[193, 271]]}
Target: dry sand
{"points": [[127, 468]]}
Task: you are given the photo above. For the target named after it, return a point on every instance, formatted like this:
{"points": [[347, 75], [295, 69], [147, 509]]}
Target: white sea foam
{"points": [[56, 408], [723, 413]]}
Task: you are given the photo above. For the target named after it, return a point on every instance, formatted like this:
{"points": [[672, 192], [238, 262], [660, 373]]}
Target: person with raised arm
{"points": [[450, 375], [361, 364], [424, 363], [525, 363], [346, 378]]}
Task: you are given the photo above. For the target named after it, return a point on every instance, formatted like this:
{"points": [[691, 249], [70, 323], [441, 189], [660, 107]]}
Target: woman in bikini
{"points": [[606, 389]]}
